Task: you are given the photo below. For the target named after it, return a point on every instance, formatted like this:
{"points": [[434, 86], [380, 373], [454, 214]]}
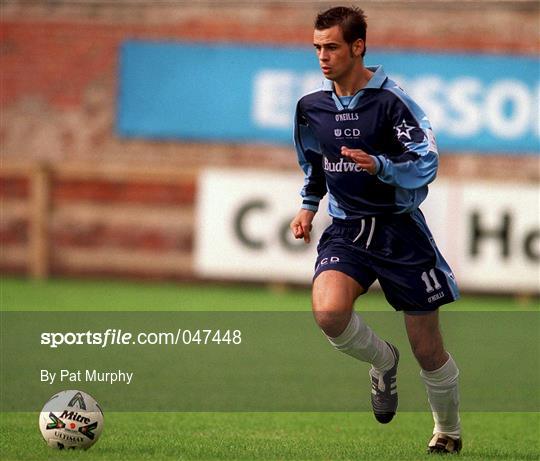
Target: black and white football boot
{"points": [[444, 444], [384, 396]]}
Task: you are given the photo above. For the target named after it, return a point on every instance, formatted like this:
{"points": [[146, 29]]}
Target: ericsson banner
{"points": [[489, 232], [240, 93]]}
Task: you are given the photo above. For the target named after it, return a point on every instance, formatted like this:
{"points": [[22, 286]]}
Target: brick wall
{"points": [[59, 64], [58, 86]]}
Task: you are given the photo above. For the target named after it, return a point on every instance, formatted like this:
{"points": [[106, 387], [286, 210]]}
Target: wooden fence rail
{"points": [[119, 220]]}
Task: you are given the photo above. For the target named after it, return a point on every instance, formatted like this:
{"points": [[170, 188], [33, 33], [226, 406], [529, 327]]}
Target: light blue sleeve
{"points": [[417, 165], [409, 174]]}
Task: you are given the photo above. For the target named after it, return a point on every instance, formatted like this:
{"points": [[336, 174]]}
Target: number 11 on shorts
{"points": [[426, 279]]}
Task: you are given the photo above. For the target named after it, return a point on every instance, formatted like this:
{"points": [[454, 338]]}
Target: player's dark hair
{"points": [[351, 20]]}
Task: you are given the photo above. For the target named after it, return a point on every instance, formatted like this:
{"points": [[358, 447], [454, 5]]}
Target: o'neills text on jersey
{"points": [[346, 117]]}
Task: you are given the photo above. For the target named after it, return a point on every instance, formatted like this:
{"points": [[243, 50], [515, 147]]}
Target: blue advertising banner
{"points": [[241, 93]]}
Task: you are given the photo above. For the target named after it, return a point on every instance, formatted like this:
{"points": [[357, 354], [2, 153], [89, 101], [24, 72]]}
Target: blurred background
{"points": [[153, 139]]}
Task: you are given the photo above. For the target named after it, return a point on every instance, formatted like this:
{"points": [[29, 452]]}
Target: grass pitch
{"points": [[250, 436], [88, 295], [277, 436]]}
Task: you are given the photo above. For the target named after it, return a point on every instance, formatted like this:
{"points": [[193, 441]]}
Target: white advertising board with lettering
{"points": [[489, 232]]}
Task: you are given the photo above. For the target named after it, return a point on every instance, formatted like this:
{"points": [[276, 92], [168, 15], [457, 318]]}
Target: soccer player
{"points": [[363, 140]]}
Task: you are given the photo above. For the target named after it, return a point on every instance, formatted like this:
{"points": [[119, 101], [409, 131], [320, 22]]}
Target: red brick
{"points": [[14, 232], [117, 192], [14, 187], [120, 237]]}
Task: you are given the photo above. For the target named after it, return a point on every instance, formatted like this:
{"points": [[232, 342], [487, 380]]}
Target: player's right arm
{"points": [[301, 224], [309, 155]]}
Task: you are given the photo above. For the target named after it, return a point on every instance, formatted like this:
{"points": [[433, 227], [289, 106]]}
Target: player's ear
{"points": [[358, 47]]}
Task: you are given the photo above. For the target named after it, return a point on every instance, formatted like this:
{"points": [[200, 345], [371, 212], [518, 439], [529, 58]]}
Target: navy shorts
{"points": [[397, 250]]}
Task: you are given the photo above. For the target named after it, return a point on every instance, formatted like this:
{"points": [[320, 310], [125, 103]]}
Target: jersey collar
{"points": [[375, 82]]}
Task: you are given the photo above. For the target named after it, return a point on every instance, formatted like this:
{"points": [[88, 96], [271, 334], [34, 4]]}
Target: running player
{"points": [[366, 143]]}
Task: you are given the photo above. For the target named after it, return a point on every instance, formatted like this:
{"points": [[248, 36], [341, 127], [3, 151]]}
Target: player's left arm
{"points": [[417, 164]]}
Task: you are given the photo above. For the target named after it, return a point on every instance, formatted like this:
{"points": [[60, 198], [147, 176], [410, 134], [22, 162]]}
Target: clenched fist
{"points": [[301, 225]]}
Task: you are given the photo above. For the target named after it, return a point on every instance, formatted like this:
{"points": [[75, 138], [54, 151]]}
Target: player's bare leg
{"points": [[333, 297], [334, 294], [440, 375], [426, 340]]}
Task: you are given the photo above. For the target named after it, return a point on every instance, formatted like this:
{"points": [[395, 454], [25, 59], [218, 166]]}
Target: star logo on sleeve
{"points": [[404, 130]]}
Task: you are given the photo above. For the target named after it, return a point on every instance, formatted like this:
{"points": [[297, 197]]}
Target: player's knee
{"points": [[332, 323]]}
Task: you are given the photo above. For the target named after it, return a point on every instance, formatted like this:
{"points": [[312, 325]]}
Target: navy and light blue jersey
{"points": [[382, 120]]}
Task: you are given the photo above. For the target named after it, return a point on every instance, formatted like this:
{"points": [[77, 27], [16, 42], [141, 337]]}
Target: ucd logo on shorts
{"points": [[325, 261]]}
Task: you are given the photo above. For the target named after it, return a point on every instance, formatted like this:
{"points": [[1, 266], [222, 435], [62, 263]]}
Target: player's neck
{"points": [[353, 82]]}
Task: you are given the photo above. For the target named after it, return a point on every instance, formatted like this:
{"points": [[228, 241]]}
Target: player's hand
{"points": [[301, 225], [358, 156]]}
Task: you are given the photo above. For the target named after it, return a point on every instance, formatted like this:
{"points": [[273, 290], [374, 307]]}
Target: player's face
{"points": [[336, 57]]}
